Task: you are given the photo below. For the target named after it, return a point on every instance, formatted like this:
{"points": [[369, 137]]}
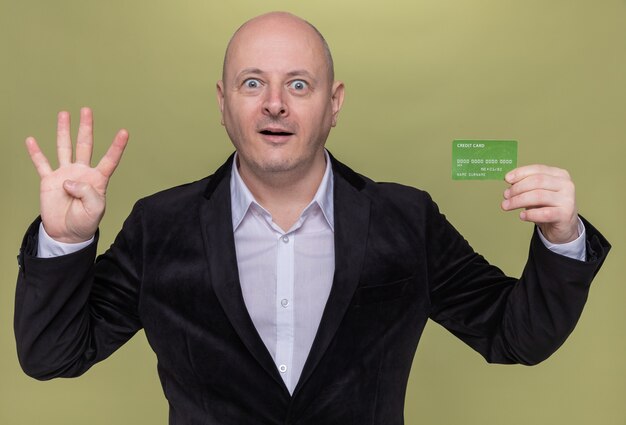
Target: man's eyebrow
{"points": [[294, 73], [249, 71], [303, 73]]}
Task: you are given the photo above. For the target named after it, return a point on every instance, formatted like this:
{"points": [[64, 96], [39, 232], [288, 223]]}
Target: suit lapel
{"points": [[217, 228], [352, 211]]}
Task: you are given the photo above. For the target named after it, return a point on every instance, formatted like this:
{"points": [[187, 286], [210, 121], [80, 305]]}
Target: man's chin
{"points": [[279, 163], [277, 167]]}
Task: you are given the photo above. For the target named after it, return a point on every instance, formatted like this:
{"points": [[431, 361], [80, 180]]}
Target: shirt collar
{"points": [[241, 198]]}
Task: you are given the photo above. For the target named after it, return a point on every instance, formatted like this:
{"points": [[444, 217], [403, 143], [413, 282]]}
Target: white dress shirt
{"points": [[286, 277]]}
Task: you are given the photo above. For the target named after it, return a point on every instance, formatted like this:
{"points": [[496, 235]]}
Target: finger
{"points": [[84, 141], [543, 215], [38, 158], [93, 202], [538, 181], [534, 199], [520, 173], [112, 157], [64, 141]]}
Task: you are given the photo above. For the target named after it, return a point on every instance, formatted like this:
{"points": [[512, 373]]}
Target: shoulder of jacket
{"points": [[178, 197]]}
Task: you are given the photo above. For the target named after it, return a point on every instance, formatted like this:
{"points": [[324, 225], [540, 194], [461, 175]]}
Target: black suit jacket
{"points": [[172, 270]]}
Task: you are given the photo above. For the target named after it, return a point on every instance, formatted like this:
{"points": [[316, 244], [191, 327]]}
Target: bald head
{"points": [[278, 101], [280, 24]]}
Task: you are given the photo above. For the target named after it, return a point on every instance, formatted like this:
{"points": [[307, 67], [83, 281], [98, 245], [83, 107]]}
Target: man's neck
{"points": [[285, 194]]}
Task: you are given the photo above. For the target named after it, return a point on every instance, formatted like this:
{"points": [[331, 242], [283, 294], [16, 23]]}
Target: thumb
{"points": [[92, 201]]}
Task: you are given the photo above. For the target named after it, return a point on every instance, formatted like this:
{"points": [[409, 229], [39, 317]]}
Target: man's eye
{"points": [[251, 83], [299, 85]]}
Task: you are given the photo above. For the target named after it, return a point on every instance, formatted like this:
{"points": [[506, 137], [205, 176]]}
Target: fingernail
{"points": [[507, 193], [505, 204]]}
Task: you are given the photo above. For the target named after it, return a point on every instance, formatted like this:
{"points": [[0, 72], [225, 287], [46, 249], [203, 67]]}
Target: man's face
{"points": [[276, 98]]}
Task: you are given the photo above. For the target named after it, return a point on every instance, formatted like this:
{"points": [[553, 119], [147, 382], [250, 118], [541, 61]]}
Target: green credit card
{"points": [[483, 159]]}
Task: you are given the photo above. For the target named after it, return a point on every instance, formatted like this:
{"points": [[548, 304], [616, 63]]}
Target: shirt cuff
{"points": [[48, 247], [575, 249]]}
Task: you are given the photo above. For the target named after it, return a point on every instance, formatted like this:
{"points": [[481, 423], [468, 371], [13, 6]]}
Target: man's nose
{"points": [[275, 104]]}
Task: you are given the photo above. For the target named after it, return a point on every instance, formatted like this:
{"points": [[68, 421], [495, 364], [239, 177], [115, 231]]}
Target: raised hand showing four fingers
{"points": [[72, 197]]}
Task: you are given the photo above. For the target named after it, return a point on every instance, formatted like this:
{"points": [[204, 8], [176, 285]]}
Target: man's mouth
{"points": [[275, 133]]}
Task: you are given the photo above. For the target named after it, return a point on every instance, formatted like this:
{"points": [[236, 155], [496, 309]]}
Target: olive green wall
{"points": [[551, 74]]}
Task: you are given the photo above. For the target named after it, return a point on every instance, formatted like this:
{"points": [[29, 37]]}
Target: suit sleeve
{"points": [[508, 320], [72, 312]]}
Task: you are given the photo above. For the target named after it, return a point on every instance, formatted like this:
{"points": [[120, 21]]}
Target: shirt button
{"points": [[284, 302], [285, 238], [282, 368]]}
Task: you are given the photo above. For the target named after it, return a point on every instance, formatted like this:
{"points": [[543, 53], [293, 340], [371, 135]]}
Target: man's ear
{"points": [[336, 100], [220, 98]]}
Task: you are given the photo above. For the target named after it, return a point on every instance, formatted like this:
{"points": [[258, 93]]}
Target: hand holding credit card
{"points": [[544, 194]]}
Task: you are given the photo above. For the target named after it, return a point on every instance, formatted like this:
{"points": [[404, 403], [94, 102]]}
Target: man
{"points": [[285, 288]]}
